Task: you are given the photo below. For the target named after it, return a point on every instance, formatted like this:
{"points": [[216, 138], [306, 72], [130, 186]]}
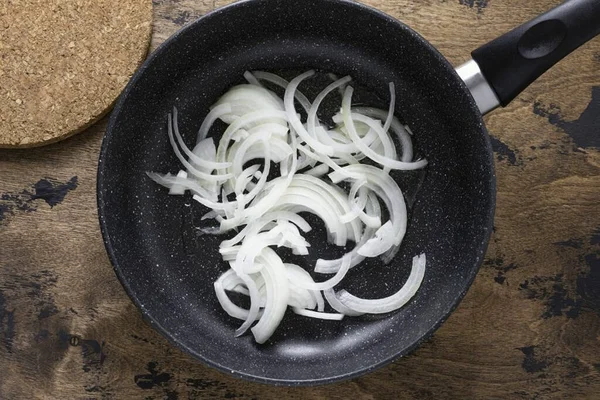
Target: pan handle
{"points": [[504, 67]]}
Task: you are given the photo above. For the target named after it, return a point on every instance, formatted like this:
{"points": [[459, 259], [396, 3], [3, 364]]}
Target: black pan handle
{"points": [[513, 61]]}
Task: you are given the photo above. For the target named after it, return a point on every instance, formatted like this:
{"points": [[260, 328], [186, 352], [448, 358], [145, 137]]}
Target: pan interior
{"points": [[169, 270]]}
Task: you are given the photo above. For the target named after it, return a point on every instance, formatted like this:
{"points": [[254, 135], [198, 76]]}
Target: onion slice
{"points": [[393, 302], [272, 163]]}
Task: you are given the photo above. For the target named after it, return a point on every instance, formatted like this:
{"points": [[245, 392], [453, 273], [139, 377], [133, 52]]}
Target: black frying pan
{"points": [[168, 271]]}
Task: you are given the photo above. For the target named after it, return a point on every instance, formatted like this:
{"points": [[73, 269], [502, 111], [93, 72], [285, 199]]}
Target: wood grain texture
{"points": [[55, 77], [528, 328]]}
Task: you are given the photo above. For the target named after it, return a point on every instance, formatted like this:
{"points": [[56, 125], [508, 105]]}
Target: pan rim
{"points": [[146, 314]]}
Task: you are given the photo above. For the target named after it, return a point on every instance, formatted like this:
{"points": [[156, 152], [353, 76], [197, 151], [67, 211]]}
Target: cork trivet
{"points": [[63, 64]]}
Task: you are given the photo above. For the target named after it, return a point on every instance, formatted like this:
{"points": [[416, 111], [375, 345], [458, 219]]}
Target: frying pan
{"points": [[168, 270]]}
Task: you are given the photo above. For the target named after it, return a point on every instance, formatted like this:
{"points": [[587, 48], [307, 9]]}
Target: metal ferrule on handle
{"points": [[480, 89]]}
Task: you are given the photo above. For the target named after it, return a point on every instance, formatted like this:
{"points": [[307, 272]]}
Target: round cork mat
{"points": [[63, 63]]}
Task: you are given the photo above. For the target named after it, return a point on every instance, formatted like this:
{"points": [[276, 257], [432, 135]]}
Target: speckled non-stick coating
{"points": [[169, 271]]}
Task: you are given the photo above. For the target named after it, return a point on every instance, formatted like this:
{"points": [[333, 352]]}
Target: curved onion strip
{"points": [[254, 311], [251, 78], [251, 96], [224, 206], [386, 162], [330, 283], [312, 120], [389, 150], [392, 107], [206, 150], [393, 302], [319, 315], [279, 150], [358, 205], [253, 246], [194, 171], [337, 305], [250, 118], [214, 114], [400, 130], [240, 135], [297, 273], [318, 171], [319, 300], [261, 205], [294, 120], [169, 181], [300, 298], [332, 266], [332, 195], [277, 296], [325, 160], [224, 283], [193, 158], [387, 189], [264, 128], [241, 289], [256, 226], [297, 200], [238, 163], [245, 177], [279, 81]]}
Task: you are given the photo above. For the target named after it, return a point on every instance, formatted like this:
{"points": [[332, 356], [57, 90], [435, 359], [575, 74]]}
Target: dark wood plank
{"points": [[528, 327]]}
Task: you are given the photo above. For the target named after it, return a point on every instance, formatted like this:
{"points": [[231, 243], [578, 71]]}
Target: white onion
{"points": [[318, 171], [178, 189], [169, 181], [294, 120], [385, 161], [196, 161], [393, 302], [251, 78], [276, 281], [330, 283], [214, 114], [265, 129], [319, 315], [194, 171], [332, 266], [279, 81], [312, 121], [401, 131]]}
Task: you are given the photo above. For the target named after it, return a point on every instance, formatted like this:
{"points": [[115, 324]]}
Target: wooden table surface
{"points": [[528, 328]]}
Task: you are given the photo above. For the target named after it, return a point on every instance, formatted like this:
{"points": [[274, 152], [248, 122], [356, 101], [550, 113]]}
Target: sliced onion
{"points": [[214, 114], [199, 174], [265, 129], [338, 306], [257, 226], [386, 162], [318, 171], [319, 315], [198, 162], [230, 308], [312, 121], [400, 130], [330, 283], [393, 302], [332, 266], [178, 189], [169, 181], [277, 296], [251, 78], [387, 189], [279, 81], [294, 120]]}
